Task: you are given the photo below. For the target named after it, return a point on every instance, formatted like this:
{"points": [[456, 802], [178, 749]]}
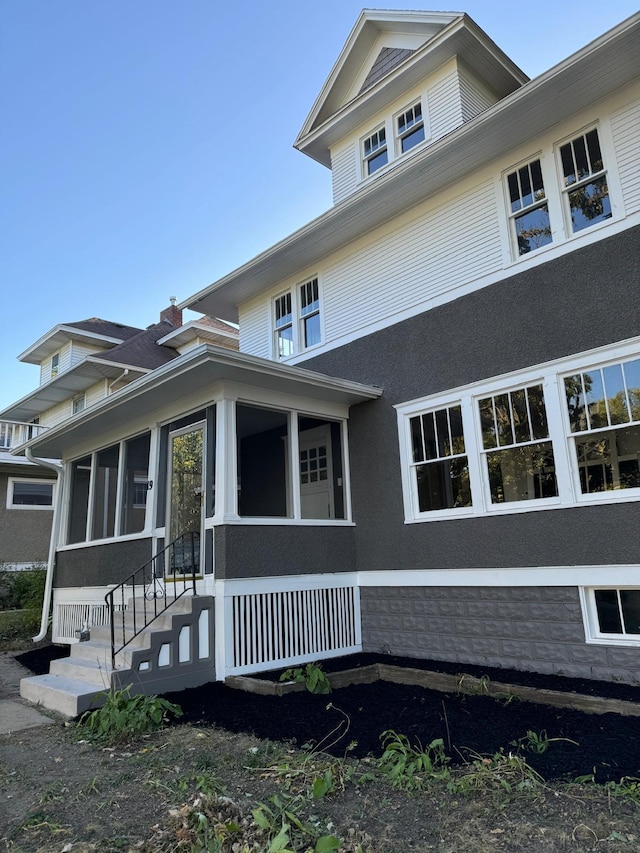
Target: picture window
{"points": [[30, 494]]}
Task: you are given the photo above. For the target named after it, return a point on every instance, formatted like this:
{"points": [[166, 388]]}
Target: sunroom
{"points": [[247, 460]]}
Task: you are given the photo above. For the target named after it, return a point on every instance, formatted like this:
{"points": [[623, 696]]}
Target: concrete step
{"points": [[67, 696], [81, 669]]}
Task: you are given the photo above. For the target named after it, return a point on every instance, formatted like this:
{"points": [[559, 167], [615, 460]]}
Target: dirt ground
{"points": [[60, 793]]}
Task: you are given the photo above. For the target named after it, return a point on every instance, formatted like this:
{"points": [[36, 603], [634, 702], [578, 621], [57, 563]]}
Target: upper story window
{"points": [[297, 321], [55, 364], [375, 151], [78, 404], [564, 435], [529, 210], [585, 181], [410, 128]]}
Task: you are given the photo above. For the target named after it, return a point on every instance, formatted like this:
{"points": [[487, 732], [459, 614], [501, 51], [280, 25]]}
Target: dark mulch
{"points": [[607, 744]]}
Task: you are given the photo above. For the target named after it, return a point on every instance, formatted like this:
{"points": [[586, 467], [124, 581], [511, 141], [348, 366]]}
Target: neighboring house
{"points": [[429, 442], [80, 364]]}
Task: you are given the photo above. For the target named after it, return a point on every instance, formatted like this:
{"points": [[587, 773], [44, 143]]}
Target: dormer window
{"points": [[375, 151], [410, 128], [55, 364]]}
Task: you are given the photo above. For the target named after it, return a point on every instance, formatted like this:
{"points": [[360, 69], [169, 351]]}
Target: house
{"points": [[428, 443], [80, 363]]}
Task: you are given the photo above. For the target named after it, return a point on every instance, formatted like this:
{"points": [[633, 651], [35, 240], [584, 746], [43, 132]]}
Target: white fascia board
{"points": [[65, 333], [182, 334], [200, 367]]}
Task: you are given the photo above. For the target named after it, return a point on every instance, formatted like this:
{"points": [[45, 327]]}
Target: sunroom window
{"points": [[440, 467], [529, 211], [517, 448], [603, 406], [585, 181]]}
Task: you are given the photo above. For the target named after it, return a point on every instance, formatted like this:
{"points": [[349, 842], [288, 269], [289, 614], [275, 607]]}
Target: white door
{"points": [[316, 473]]}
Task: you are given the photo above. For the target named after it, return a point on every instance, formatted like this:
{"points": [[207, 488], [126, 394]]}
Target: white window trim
{"points": [[551, 376], [592, 633], [398, 137], [364, 160], [297, 320], [11, 481]]}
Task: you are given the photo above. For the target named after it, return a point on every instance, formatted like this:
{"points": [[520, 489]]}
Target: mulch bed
{"points": [[351, 719]]}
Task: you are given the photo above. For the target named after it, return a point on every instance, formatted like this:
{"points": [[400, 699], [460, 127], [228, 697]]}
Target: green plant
{"points": [[539, 742], [286, 832], [124, 717], [409, 767], [311, 674], [22, 590], [501, 774], [628, 788]]}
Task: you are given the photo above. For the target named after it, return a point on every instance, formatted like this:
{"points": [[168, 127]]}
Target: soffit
{"points": [[182, 378], [66, 385], [60, 335], [595, 72]]}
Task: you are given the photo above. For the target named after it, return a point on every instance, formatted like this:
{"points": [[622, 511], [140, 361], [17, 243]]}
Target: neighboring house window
{"points": [[603, 405], [375, 154], [529, 211], [55, 364], [564, 435], [309, 313], [294, 336], [30, 494], [105, 497], [439, 461], [283, 326], [410, 128], [612, 615], [515, 441], [585, 181], [78, 404]]}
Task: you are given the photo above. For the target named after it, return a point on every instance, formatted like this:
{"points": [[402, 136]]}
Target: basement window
{"points": [[612, 615]]}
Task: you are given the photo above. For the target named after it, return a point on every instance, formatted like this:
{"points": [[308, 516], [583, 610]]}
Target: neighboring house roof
{"points": [[93, 331], [594, 72], [187, 374], [387, 53], [141, 350]]}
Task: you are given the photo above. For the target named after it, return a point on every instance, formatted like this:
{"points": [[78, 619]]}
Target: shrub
{"points": [[124, 717], [18, 625], [22, 590]]}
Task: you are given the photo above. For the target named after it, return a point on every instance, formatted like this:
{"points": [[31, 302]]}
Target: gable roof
{"points": [[386, 53], [94, 330]]}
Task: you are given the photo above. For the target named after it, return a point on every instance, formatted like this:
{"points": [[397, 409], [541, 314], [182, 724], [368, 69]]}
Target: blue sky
{"points": [[146, 146]]}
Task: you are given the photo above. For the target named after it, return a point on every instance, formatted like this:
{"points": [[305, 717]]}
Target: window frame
{"points": [[367, 158], [400, 136], [536, 204], [298, 318], [592, 631], [11, 482], [55, 365], [567, 188], [551, 376], [78, 404]]}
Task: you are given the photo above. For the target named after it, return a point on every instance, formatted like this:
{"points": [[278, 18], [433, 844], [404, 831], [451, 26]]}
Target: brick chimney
{"points": [[172, 314]]}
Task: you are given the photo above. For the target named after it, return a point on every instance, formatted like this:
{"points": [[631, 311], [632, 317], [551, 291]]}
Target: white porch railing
{"points": [[75, 606], [15, 433], [274, 622]]}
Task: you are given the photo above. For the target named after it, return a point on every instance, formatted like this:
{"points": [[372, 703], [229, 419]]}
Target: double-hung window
{"points": [[55, 364], [297, 322], [529, 210], [410, 128], [78, 404], [585, 181], [516, 446], [375, 153], [603, 408]]}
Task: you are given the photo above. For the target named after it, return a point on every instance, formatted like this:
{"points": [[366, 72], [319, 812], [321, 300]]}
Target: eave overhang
{"points": [[461, 37], [66, 385], [598, 70], [184, 334], [58, 337], [182, 378]]}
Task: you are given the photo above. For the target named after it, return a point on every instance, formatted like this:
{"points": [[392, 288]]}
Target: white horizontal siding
{"points": [[450, 245], [255, 329], [475, 97], [96, 392], [56, 414], [344, 171], [445, 112], [80, 351], [625, 126]]}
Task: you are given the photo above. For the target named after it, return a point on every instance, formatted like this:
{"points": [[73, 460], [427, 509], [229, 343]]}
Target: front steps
{"points": [[172, 653]]}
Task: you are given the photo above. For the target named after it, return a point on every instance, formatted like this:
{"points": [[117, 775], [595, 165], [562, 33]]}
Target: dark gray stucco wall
{"points": [[585, 299], [101, 564], [266, 550], [24, 533], [527, 628]]}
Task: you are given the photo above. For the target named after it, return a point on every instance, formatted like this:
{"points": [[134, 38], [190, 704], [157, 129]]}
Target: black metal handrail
{"points": [[173, 569]]}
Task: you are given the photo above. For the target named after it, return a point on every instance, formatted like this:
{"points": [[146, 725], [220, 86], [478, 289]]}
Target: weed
{"points": [[53, 793], [311, 674], [539, 742], [286, 831], [499, 774], [124, 717], [627, 788], [409, 767]]}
